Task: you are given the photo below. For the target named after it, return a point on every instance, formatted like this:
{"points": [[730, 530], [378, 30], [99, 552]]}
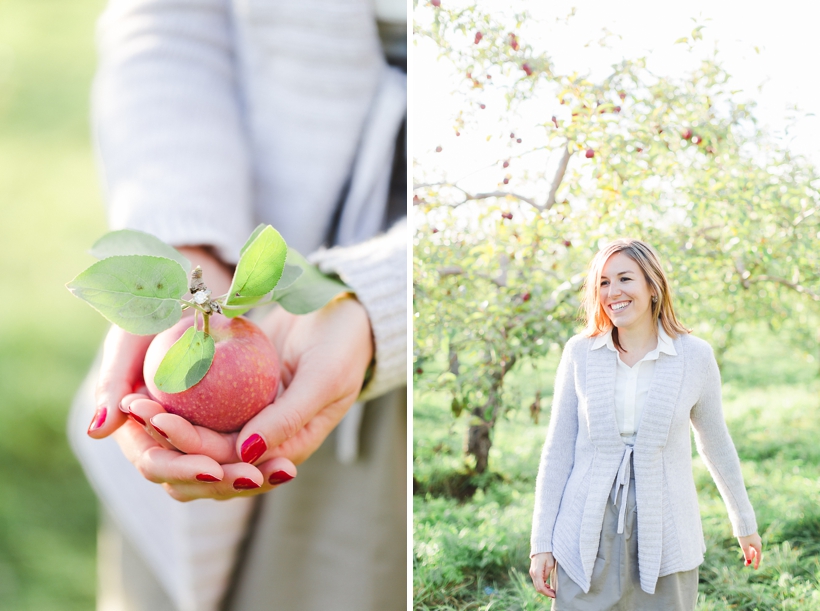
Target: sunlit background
{"points": [[768, 50], [50, 213]]}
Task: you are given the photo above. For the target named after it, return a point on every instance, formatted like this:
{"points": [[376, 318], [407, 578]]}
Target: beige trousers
{"points": [[615, 579], [335, 538]]}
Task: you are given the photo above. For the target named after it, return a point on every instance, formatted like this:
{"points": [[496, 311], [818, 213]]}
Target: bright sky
{"points": [[781, 74]]}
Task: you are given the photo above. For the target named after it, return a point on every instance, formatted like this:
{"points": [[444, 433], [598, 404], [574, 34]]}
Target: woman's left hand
{"points": [[752, 549]]}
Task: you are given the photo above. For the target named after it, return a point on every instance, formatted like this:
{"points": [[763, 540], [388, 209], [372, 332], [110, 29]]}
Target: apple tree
{"points": [[679, 162]]}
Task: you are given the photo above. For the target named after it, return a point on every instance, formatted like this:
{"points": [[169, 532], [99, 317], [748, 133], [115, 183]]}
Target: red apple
{"points": [[478, 37], [687, 134], [243, 378], [590, 153]]}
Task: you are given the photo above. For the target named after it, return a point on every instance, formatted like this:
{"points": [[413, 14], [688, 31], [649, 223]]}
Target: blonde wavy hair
{"points": [[596, 320]]}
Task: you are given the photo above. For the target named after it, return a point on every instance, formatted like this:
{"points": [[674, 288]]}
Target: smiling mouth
{"points": [[617, 307]]}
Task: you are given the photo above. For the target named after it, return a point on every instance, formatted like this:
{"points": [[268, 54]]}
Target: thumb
{"points": [[315, 388], [120, 372]]}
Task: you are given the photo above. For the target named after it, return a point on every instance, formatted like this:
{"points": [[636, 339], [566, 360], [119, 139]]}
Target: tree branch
{"points": [[559, 177], [792, 285], [468, 197]]}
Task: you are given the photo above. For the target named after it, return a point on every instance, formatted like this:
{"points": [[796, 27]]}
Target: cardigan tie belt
{"points": [[622, 482]]}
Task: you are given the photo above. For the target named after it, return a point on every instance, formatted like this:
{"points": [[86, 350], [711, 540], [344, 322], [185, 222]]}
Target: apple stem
{"points": [[196, 321], [201, 299]]}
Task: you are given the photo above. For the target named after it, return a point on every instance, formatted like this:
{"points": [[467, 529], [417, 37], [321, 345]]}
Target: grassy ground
{"points": [[51, 213], [474, 555]]}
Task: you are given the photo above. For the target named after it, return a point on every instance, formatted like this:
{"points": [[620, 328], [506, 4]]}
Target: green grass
{"points": [[51, 212], [474, 554]]}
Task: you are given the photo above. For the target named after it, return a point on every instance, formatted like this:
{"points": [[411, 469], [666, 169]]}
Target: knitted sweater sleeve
{"points": [[558, 454], [377, 271], [718, 452], [167, 123]]}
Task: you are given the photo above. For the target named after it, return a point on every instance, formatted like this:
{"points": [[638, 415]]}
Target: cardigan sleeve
{"points": [[168, 124], [377, 271], [715, 446], [558, 454]]}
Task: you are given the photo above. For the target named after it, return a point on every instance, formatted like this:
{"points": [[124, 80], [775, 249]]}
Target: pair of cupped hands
{"points": [[323, 357]]}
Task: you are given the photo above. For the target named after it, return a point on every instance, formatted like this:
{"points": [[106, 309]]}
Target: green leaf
{"points": [[289, 276], [130, 242], [186, 362], [138, 293], [252, 237], [311, 290], [260, 266]]}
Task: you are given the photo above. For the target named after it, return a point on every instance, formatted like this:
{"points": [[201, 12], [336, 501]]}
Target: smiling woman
{"points": [[618, 457]]}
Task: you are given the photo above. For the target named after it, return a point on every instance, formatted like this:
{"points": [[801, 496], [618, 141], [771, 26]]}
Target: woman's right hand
{"points": [[541, 565]]}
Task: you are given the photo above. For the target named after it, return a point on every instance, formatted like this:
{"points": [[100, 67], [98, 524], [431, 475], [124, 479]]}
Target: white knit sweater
{"points": [[583, 451]]}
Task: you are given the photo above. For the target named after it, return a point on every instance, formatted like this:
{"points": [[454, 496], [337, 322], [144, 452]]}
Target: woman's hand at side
{"points": [[752, 548], [541, 565]]}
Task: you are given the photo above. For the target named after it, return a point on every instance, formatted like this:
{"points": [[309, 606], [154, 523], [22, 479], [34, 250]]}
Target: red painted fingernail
{"points": [[207, 477], [253, 448], [243, 483], [159, 430], [280, 477], [99, 419], [136, 418]]}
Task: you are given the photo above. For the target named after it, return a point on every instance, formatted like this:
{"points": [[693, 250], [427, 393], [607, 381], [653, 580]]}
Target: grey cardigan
{"points": [[583, 452]]}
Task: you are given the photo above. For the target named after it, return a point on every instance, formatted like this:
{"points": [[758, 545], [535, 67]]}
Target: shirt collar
{"points": [[665, 344]]}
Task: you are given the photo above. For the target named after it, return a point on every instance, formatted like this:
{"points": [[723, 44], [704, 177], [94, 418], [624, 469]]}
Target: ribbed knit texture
{"points": [[583, 450]]}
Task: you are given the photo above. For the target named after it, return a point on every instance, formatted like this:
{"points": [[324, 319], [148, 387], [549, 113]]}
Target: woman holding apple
{"points": [[211, 117], [616, 522]]}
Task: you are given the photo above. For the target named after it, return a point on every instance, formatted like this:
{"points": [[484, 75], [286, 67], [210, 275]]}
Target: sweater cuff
{"points": [[748, 527], [540, 546], [377, 271]]}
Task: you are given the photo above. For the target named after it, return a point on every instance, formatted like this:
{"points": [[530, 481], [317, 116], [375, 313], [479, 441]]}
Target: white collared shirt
{"points": [[632, 383]]}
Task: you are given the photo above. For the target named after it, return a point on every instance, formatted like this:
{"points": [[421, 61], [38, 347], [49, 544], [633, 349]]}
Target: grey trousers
{"points": [[333, 538], [615, 580]]}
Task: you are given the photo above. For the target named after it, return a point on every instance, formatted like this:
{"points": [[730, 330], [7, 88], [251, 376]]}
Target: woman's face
{"points": [[624, 293]]}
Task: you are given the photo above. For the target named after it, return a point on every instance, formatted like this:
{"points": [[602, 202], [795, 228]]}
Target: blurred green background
{"points": [[51, 213]]}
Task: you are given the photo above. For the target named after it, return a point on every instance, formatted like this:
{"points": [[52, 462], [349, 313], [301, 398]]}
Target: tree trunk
{"points": [[478, 441]]}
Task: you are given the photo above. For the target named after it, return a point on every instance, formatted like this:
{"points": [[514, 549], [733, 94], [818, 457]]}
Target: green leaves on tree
{"points": [[138, 293], [186, 362]]}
